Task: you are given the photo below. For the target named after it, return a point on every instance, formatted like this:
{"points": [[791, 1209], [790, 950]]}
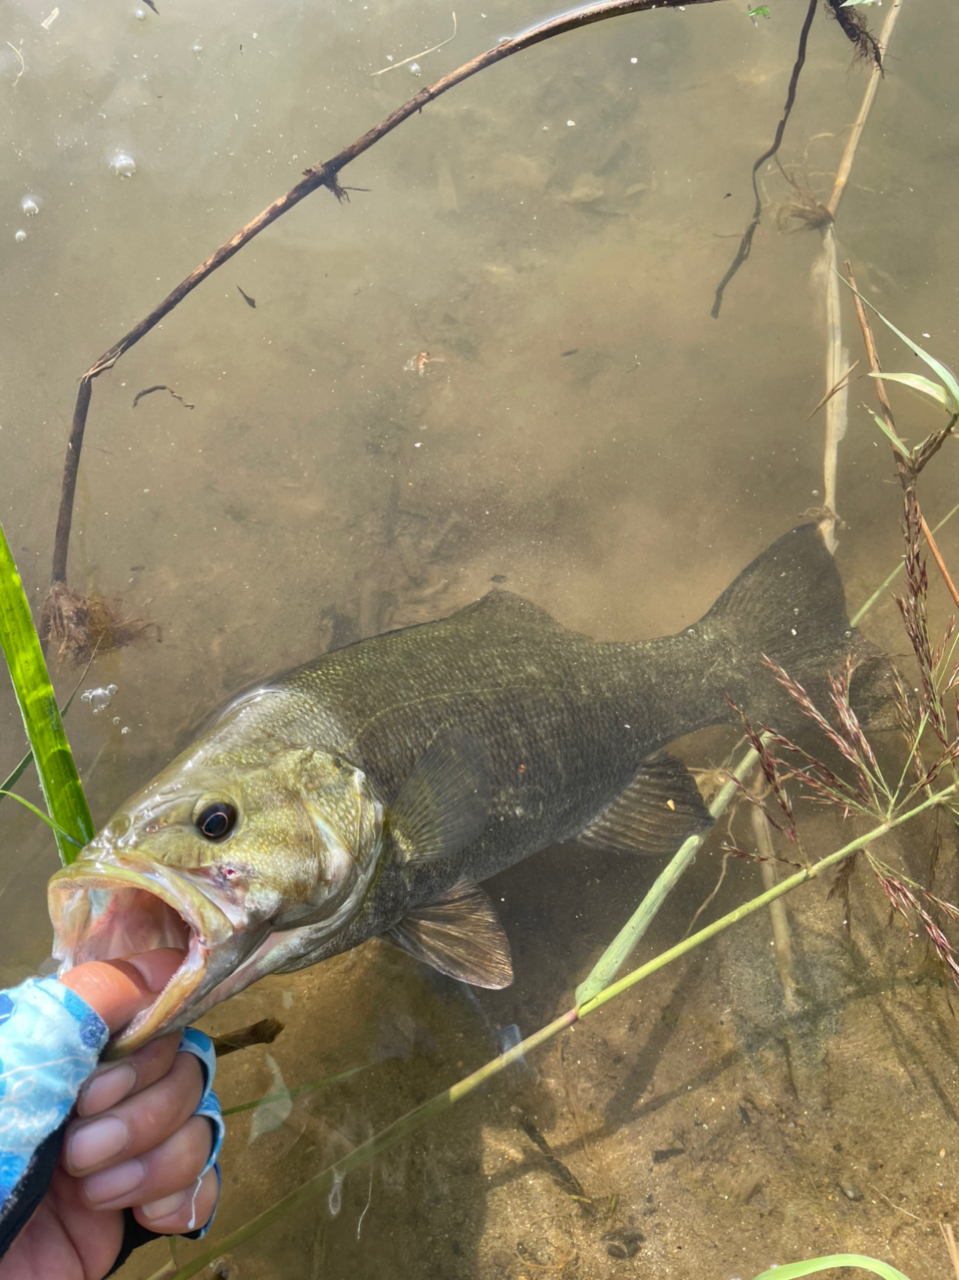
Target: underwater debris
{"points": [[857, 32], [81, 626], [418, 363], [561, 1172], [263, 1032], [802, 211]]}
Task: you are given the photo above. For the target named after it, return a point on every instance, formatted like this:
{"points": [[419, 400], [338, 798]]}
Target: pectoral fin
{"points": [[659, 809], [459, 934], [444, 803]]}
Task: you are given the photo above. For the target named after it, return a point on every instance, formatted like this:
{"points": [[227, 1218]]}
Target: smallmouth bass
{"points": [[366, 793]]}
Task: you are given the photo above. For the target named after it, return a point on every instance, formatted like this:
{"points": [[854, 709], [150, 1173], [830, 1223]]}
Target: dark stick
{"points": [[71, 465], [320, 175], [742, 253]]}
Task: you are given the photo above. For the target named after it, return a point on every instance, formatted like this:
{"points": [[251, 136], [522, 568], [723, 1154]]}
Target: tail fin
{"points": [[789, 606]]}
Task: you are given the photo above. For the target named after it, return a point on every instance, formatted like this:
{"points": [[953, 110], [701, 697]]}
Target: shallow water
{"points": [[551, 232]]}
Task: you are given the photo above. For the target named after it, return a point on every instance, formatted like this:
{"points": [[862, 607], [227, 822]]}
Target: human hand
{"points": [[145, 1149]]}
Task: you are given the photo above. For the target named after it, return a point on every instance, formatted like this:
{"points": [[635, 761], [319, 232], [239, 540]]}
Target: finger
{"points": [[117, 1080], [137, 1124], [183, 1210], [173, 1166], [119, 989]]}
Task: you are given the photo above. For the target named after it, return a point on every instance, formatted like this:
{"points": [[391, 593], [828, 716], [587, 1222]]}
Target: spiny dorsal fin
{"points": [[459, 934], [659, 809], [444, 803]]}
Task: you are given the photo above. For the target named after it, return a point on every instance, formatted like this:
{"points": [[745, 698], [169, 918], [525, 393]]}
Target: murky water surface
{"points": [[551, 233]]}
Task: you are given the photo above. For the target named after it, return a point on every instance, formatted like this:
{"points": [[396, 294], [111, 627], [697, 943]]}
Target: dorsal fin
{"points": [[506, 606], [460, 935], [654, 814], [444, 803]]}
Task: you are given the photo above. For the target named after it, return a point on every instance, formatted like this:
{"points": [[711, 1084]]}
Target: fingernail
{"points": [[165, 1207], [106, 1089], [96, 1142], [113, 1183]]}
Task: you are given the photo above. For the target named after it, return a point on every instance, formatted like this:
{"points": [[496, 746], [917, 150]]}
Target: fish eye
{"points": [[215, 820]]}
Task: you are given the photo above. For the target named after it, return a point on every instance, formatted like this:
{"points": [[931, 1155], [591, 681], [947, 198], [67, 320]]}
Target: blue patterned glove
{"points": [[50, 1041]]}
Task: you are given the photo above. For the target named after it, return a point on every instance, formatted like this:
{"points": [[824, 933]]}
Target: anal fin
{"points": [[460, 935], [654, 814]]}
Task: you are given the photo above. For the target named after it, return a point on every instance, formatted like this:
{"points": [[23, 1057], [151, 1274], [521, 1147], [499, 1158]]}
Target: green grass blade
{"points": [[292, 1093], [946, 375], [890, 435], [15, 775], [55, 827], [794, 1270], [621, 948], [925, 386], [59, 781]]}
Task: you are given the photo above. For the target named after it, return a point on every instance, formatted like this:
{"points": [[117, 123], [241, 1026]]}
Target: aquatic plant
{"points": [[930, 728], [69, 814], [795, 1270]]}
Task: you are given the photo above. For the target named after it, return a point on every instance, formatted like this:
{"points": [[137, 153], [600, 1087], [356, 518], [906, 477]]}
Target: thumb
{"points": [[119, 989]]}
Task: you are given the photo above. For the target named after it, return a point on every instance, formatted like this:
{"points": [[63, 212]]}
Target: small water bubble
{"points": [[30, 206], [100, 698], [415, 69], [140, 14], [116, 719], [20, 236], [198, 48], [123, 165]]}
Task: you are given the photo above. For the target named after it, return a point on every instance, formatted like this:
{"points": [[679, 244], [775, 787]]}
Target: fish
{"points": [[369, 792]]}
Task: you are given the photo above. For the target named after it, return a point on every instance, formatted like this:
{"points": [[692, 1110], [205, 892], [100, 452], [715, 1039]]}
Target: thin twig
{"points": [[950, 1239], [318, 175], [393, 65], [782, 942], [871, 350], [841, 385], [712, 894], [148, 391], [931, 543], [903, 465]]}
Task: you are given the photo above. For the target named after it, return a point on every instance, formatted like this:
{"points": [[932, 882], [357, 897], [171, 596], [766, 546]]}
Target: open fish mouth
{"points": [[107, 912]]}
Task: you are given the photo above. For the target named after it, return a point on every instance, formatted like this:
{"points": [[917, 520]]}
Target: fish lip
{"points": [[208, 927]]}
